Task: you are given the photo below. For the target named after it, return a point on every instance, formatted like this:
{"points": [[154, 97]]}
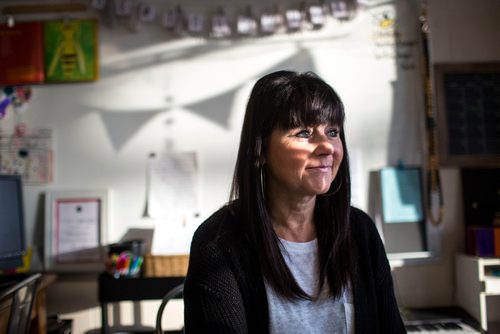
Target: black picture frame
{"points": [[467, 97]]}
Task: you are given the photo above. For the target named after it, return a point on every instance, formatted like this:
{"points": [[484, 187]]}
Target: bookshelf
{"points": [[478, 290]]}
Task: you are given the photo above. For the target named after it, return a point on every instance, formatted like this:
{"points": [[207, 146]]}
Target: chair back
{"points": [[16, 303], [173, 293]]}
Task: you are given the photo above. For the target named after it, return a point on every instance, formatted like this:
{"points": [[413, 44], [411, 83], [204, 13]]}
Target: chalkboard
{"points": [[468, 107]]}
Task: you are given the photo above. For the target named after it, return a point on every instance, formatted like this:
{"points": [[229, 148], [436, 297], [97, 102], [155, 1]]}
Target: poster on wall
{"points": [[71, 50], [21, 62]]}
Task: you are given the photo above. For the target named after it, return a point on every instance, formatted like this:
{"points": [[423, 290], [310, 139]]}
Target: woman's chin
{"points": [[321, 191]]}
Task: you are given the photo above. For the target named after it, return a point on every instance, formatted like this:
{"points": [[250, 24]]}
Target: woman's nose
{"points": [[324, 146]]}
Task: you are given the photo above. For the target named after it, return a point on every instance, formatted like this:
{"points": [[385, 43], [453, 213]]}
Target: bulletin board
{"points": [[468, 102], [29, 155]]}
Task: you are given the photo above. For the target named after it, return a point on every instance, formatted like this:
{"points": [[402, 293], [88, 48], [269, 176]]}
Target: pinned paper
{"points": [[316, 16], [174, 20], [195, 23], [98, 4], [123, 7], [146, 12], [401, 195], [220, 25], [339, 10], [270, 23], [247, 24], [293, 19], [173, 185]]}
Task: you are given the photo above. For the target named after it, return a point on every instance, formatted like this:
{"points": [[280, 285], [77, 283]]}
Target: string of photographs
{"points": [[181, 23]]}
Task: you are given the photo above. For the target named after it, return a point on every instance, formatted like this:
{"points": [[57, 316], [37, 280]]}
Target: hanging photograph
{"points": [[71, 50]]}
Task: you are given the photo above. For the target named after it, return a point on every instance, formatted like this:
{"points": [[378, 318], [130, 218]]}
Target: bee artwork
{"points": [[70, 50]]}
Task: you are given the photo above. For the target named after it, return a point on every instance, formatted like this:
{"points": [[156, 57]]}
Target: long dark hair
{"points": [[286, 100]]}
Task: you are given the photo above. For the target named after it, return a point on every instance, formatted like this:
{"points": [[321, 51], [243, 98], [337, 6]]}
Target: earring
{"points": [[262, 182]]}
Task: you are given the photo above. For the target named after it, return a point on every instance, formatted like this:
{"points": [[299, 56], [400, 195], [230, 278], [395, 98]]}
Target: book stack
{"points": [[481, 191], [483, 241]]}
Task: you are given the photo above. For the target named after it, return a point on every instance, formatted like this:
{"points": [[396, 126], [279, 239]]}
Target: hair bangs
{"points": [[309, 104]]}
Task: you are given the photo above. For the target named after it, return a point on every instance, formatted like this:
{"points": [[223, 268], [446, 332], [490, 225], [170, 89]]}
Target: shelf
{"points": [[44, 8], [491, 285], [478, 290]]}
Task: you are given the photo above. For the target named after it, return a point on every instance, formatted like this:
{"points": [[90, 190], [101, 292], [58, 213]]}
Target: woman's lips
{"points": [[322, 168]]}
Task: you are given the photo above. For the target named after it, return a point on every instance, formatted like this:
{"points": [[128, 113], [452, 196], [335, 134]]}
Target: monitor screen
{"points": [[12, 239]]}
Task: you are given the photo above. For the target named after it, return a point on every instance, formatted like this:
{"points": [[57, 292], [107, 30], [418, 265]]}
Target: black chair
{"points": [[17, 297], [173, 293]]}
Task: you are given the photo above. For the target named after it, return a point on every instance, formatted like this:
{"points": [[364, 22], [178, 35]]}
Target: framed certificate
{"points": [[75, 230]]}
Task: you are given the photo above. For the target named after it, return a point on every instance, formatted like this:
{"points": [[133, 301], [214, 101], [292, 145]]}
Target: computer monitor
{"points": [[12, 238]]}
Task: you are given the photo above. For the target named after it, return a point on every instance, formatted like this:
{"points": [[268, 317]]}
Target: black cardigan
{"points": [[224, 288]]}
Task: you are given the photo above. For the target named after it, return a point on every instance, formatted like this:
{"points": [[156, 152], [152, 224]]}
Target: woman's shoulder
{"points": [[221, 225], [359, 215], [361, 222]]}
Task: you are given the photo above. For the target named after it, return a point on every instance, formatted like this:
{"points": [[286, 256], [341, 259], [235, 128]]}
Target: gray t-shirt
{"points": [[324, 315]]}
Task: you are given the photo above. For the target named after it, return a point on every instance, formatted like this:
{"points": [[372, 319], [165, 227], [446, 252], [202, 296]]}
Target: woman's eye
{"points": [[303, 134], [333, 132]]}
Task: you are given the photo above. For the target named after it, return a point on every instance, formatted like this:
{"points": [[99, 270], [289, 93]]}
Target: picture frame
{"points": [[75, 230], [71, 50], [22, 62], [467, 99]]}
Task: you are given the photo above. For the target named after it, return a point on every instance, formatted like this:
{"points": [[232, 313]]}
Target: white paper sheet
{"points": [[77, 229], [173, 185]]}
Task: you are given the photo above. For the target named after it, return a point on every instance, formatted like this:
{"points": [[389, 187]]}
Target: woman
{"points": [[288, 254]]}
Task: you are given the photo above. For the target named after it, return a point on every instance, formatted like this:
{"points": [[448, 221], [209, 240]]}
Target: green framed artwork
{"points": [[71, 50]]}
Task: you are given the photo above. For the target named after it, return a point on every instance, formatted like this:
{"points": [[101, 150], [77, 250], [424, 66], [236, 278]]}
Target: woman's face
{"points": [[303, 161]]}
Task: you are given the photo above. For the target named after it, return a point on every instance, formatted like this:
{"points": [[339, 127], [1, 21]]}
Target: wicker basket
{"points": [[165, 265]]}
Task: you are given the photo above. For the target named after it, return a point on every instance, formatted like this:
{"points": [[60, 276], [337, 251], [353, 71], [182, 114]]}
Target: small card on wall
{"points": [[71, 50]]}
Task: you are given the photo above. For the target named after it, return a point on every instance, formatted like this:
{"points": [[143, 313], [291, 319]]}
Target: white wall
{"points": [[190, 94]]}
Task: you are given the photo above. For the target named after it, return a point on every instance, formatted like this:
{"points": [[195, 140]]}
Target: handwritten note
{"points": [[173, 185]]}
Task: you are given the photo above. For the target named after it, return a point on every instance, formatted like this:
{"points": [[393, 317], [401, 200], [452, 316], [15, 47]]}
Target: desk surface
{"points": [[135, 289]]}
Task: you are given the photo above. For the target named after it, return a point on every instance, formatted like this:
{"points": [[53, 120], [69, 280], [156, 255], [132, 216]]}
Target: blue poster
{"points": [[401, 195]]}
